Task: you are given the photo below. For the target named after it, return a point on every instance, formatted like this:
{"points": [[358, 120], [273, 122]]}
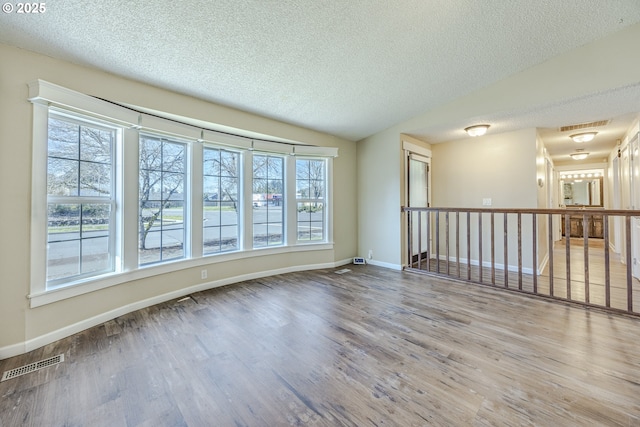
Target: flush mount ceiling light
{"points": [[477, 130], [579, 155], [583, 136]]}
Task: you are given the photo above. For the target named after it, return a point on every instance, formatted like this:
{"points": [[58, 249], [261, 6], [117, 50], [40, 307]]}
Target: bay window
{"points": [[127, 195]]}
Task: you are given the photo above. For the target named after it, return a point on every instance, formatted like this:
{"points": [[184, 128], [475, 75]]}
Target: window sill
{"points": [[94, 284]]}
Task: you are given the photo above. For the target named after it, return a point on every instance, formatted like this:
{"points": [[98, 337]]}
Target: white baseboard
{"points": [[543, 263], [42, 340], [12, 350], [384, 264], [487, 264], [343, 262]]}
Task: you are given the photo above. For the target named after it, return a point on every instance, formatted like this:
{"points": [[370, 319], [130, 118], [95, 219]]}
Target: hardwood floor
{"points": [[596, 283], [368, 347]]}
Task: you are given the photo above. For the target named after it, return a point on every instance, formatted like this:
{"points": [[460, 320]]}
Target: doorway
{"points": [[419, 196]]}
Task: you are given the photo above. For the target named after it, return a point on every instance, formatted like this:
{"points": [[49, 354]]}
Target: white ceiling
{"points": [[350, 68]]}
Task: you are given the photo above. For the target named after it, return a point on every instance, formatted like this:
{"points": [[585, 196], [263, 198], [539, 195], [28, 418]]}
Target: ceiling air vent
{"points": [[584, 125]]}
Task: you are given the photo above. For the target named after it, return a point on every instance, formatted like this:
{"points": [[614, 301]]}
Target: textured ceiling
{"points": [[349, 68]]}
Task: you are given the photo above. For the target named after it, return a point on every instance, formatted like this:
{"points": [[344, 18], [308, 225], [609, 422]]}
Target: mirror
{"points": [[582, 192]]}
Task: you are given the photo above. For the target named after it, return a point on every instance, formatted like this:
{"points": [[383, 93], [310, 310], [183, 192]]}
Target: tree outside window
{"points": [[80, 229], [161, 218], [310, 198]]}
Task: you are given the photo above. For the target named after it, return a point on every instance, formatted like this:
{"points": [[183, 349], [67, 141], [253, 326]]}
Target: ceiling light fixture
{"points": [[579, 155], [477, 130], [583, 137]]}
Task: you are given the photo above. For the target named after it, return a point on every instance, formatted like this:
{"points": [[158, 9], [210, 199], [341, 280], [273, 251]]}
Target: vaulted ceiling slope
{"points": [[347, 68]]}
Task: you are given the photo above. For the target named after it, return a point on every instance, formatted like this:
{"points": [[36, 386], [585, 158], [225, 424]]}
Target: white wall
{"points": [[500, 167], [22, 327]]}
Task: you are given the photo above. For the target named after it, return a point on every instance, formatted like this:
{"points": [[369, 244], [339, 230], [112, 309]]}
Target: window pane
{"points": [[95, 179], [95, 145], [317, 231], [172, 186], [173, 157], [95, 255], [221, 188], [80, 157], [229, 238], [63, 259], [310, 187], [268, 201], [259, 166], [228, 213], [316, 189], [79, 240], [161, 223], [211, 237], [95, 220], [229, 189], [63, 139], [211, 159], [229, 162], [211, 186], [150, 153], [62, 177], [63, 222], [310, 221]]}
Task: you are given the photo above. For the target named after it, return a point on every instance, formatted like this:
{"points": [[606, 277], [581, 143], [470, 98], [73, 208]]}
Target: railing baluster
{"points": [[480, 244], [420, 240], [437, 241], [446, 220], [410, 239], [519, 250], [607, 272], [425, 247], [428, 240], [627, 226], [506, 250], [567, 253], [458, 242], [468, 245], [534, 233], [550, 231], [493, 251], [585, 238]]}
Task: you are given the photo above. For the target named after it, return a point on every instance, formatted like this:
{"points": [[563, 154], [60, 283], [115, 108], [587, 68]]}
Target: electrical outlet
{"points": [[203, 274], [370, 254], [486, 202]]}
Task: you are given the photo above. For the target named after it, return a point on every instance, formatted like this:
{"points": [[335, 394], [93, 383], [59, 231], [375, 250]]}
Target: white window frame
{"points": [[44, 95], [239, 201], [112, 200], [323, 200], [285, 201], [186, 241]]}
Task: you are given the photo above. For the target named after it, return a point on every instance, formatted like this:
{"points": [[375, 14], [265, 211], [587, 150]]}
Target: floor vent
{"points": [[27, 369], [344, 270]]}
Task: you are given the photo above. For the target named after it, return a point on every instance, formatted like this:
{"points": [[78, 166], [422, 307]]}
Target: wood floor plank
{"points": [[369, 347]]}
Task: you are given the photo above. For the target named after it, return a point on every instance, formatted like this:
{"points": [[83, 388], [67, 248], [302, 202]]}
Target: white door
{"points": [[419, 178]]}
